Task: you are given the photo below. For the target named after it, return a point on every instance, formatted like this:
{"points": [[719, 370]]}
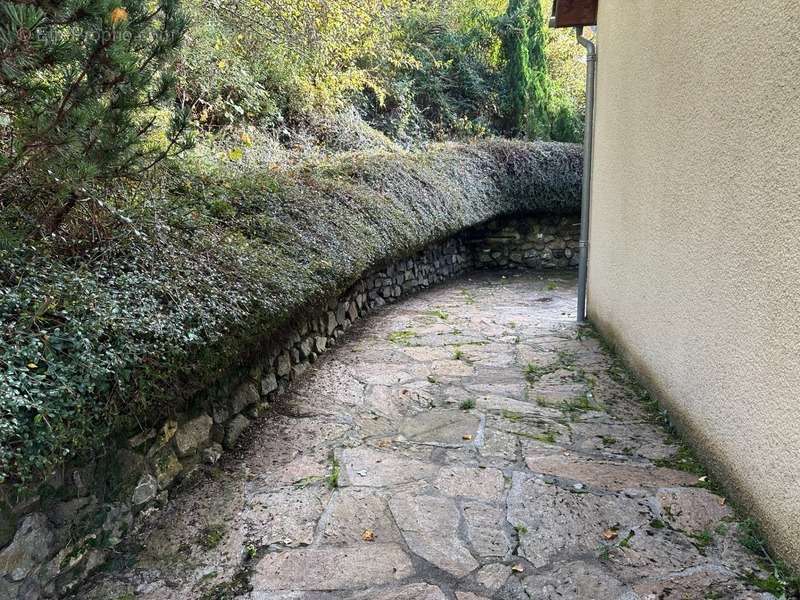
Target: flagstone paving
{"points": [[466, 443]]}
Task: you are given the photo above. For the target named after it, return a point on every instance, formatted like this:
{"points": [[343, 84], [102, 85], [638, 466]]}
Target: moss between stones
{"points": [[127, 333]]}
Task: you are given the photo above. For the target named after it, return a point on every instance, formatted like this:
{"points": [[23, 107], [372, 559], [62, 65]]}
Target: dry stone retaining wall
{"points": [[544, 242], [53, 540]]}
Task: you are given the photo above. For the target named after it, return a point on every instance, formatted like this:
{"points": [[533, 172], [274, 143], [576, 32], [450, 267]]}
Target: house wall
{"points": [[694, 267]]}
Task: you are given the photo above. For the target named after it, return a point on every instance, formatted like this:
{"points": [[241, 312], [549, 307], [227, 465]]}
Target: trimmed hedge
{"points": [[125, 334]]}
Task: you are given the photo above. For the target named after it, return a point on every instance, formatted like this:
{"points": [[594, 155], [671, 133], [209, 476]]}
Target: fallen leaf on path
{"points": [[368, 535], [518, 568], [610, 534]]}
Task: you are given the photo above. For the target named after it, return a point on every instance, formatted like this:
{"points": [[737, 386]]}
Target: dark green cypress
{"points": [[539, 83], [518, 71]]}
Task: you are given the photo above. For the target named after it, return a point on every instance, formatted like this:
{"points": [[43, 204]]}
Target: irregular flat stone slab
{"points": [[558, 387], [332, 568], [371, 468], [330, 387], [392, 374], [470, 482], [499, 444], [622, 439], [469, 596], [653, 553], [493, 355], [513, 390], [441, 427], [453, 368], [354, 510], [607, 475], [492, 576], [290, 596], [396, 402], [429, 526], [531, 427], [415, 591], [707, 581], [577, 580], [308, 466], [428, 353], [556, 521], [691, 509], [286, 516], [486, 530], [491, 403]]}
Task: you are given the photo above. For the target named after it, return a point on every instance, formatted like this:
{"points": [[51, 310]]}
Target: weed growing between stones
{"points": [[332, 480], [307, 481], [237, 586], [402, 337], [250, 551], [783, 581], [603, 552], [579, 404], [211, 536], [565, 360], [439, 314], [547, 437], [467, 404], [702, 540], [534, 373]]}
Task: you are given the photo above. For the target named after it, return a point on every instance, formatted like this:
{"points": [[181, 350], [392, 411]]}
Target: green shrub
{"points": [[119, 336], [451, 83]]}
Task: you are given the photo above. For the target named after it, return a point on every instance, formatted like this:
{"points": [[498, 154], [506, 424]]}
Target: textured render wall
{"points": [[694, 257]]}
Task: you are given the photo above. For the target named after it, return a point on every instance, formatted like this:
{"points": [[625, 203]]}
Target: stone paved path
{"points": [[465, 443]]}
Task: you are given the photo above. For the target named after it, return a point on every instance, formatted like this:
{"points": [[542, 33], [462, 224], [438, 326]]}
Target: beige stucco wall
{"points": [[694, 263]]}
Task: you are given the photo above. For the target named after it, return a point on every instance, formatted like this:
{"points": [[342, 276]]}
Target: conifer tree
{"points": [[518, 71], [86, 92], [539, 84]]}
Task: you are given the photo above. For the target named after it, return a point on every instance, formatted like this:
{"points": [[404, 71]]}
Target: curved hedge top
{"points": [[128, 332]]}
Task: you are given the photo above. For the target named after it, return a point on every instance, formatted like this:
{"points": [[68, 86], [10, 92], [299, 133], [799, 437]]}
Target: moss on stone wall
{"points": [[195, 286]]}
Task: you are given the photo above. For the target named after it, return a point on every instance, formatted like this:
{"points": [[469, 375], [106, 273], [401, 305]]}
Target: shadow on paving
{"points": [[465, 443]]}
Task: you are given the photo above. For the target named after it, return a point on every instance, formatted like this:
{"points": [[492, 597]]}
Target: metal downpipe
{"points": [[588, 135]]}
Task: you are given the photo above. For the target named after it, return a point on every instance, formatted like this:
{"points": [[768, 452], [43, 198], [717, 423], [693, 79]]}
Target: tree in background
{"points": [[86, 93], [539, 83], [516, 48], [544, 94], [566, 66]]}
